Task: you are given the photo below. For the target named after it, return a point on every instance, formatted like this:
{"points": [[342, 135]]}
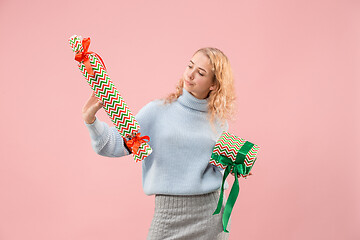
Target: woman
{"points": [[183, 130]]}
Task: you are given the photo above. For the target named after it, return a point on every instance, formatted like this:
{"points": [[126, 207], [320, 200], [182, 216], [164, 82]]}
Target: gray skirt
{"points": [[187, 217]]}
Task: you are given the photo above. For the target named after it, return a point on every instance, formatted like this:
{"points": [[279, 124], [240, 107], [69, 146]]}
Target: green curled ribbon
{"points": [[237, 167]]}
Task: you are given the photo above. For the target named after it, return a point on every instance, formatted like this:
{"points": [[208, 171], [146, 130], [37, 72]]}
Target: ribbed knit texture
{"points": [[182, 140], [187, 218]]}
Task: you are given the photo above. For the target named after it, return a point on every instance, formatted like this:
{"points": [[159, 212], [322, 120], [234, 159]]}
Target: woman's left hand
{"points": [[239, 174]]}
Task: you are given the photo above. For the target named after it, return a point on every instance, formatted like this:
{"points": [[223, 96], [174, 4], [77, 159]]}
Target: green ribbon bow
{"points": [[237, 167]]}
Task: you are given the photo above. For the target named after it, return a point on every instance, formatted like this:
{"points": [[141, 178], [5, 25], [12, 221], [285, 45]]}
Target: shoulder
{"points": [[220, 126], [148, 115], [150, 111], [225, 126], [151, 107]]}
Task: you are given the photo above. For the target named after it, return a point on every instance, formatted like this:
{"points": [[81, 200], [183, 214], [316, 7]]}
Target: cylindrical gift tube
{"points": [[93, 69]]}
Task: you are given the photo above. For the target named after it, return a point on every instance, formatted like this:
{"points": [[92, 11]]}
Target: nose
{"points": [[191, 73]]}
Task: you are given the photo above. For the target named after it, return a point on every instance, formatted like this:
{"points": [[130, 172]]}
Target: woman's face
{"points": [[198, 77]]}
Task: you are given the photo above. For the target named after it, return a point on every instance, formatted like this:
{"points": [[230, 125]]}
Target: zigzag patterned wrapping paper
{"points": [[235, 155], [93, 69], [229, 145]]}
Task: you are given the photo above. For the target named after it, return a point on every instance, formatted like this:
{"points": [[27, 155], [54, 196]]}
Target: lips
{"points": [[188, 83]]}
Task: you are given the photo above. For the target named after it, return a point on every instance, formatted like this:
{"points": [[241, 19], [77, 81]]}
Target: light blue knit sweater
{"points": [[182, 141]]}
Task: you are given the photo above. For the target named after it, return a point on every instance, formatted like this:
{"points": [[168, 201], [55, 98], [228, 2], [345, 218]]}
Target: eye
{"points": [[199, 72]]}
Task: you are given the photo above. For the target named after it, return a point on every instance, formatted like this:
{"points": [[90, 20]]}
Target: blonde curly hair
{"points": [[221, 100]]}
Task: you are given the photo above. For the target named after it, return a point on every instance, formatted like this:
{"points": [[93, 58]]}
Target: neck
{"points": [[190, 101]]}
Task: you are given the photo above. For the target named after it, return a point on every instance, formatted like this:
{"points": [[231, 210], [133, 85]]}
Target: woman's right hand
{"points": [[90, 109]]}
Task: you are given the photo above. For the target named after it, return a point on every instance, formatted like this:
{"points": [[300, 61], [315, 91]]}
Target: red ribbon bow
{"points": [[83, 56], [134, 143]]}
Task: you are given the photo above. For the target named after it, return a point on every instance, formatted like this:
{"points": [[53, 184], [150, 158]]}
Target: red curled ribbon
{"points": [[83, 56], [134, 143]]}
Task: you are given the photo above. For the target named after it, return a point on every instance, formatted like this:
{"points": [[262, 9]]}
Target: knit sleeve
{"points": [[107, 141], [224, 127]]}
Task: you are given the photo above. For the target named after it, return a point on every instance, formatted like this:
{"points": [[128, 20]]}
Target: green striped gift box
{"points": [[235, 155]]}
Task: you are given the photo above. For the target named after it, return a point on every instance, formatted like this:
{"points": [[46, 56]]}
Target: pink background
{"points": [[296, 66]]}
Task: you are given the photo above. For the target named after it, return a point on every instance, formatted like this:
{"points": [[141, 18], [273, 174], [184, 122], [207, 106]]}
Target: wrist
{"points": [[90, 120]]}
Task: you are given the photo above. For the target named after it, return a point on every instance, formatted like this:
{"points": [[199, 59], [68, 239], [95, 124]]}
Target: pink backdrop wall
{"points": [[296, 65]]}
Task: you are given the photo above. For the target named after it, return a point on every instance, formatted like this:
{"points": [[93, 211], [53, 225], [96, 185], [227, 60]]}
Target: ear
{"points": [[213, 84]]}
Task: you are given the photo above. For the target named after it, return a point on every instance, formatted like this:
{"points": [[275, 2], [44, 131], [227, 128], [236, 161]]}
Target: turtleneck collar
{"points": [[188, 100]]}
